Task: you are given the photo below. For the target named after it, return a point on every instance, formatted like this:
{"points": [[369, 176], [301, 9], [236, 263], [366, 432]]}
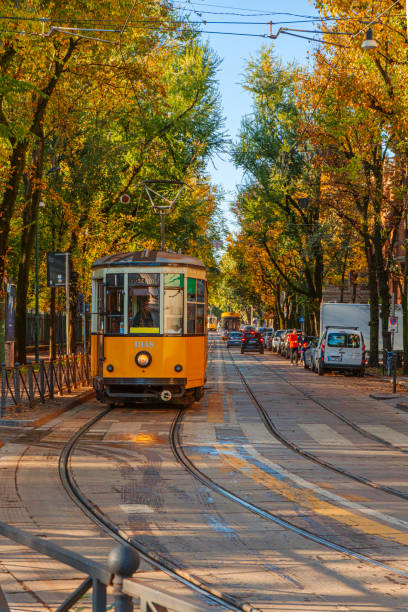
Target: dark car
{"points": [[252, 341], [234, 338], [309, 352]]}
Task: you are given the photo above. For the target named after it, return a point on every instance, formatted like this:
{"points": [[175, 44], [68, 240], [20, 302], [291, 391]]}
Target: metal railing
{"points": [[123, 561], [39, 381]]}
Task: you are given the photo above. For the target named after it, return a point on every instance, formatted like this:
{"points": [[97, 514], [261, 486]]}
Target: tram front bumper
{"points": [[139, 389]]}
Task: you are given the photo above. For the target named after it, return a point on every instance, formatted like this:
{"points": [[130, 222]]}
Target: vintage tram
{"points": [[230, 321], [212, 322], [149, 328]]}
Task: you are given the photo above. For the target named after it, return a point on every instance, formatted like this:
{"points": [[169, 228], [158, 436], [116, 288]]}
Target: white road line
{"points": [[324, 492], [257, 433], [323, 434], [395, 437], [122, 430], [136, 508]]}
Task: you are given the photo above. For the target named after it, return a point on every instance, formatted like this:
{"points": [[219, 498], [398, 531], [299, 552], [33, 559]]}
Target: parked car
{"points": [[276, 340], [263, 330], [266, 335], [341, 348], [252, 341], [282, 341], [309, 352], [234, 338], [269, 339]]}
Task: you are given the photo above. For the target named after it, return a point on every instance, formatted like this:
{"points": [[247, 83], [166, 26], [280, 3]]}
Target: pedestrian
{"points": [[294, 347], [304, 344]]}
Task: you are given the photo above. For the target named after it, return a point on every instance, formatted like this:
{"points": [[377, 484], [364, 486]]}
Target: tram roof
{"points": [[147, 258]]}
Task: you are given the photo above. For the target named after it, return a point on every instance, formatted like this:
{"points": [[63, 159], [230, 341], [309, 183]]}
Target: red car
{"points": [[252, 341]]}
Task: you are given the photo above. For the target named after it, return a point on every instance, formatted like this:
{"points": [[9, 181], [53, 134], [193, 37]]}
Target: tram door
{"points": [[100, 325]]}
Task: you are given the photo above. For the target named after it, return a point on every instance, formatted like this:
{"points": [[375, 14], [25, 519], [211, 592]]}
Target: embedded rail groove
{"points": [[338, 415], [274, 430], [158, 562], [180, 455]]}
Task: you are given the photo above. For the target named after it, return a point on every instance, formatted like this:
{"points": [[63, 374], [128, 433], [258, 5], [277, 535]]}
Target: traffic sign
{"points": [[125, 198], [57, 269], [393, 323], [301, 320]]}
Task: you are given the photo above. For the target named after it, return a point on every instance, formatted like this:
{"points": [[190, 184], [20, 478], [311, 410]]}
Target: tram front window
{"points": [[115, 293], [173, 304], [143, 306]]}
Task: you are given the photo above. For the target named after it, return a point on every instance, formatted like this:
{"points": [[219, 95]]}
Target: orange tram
{"points": [[149, 328]]}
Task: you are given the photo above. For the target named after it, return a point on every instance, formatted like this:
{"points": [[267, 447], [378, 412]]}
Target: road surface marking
{"points": [[348, 502], [323, 434], [123, 431], [215, 410], [306, 499], [256, 433], [388, 434], [136, 508]]}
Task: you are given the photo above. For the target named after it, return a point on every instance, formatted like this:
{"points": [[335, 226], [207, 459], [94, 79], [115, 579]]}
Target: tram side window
{"points": [[173, 303], [196, 310], [115, 299], [143, 306]]}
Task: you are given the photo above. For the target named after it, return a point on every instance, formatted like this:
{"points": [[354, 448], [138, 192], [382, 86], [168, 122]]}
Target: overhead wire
{"points": [[334, 67]]}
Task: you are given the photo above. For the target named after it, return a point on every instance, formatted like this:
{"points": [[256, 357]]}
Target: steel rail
{"points": [[340, 416], [158, 562], [275, 431], [182, 458]]}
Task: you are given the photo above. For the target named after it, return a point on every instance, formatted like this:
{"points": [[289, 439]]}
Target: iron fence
{"points": [[123, 561], [44, 327], [39, 381]]}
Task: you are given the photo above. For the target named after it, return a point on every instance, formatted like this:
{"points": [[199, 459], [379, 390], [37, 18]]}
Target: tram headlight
{"points": [[178, 367], [143, 359], [109, 367]]}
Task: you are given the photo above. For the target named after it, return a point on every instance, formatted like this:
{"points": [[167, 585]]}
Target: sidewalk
{"points": [[40, 413]]}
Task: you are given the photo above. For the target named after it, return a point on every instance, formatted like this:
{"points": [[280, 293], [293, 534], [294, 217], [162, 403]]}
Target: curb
{"points": [[45, 418]]}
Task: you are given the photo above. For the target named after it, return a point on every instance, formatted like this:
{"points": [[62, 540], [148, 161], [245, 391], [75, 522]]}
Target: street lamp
{"points": [[37, 311], [369, 43]]}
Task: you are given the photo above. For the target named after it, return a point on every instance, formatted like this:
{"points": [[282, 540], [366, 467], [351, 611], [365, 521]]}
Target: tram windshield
{"points": [[143, 304]]}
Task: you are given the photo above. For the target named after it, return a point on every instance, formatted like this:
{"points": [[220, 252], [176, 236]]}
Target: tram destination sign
{"points": [[57, 267]]}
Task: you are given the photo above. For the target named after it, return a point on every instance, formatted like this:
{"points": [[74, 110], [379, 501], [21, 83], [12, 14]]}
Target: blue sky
{"points": [[235, 52]]}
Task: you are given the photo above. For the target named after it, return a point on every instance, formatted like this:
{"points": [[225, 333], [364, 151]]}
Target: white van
{"points": [[340, 348]]}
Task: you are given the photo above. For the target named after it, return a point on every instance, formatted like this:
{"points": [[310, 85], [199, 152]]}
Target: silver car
{"points": [[276, 339]]}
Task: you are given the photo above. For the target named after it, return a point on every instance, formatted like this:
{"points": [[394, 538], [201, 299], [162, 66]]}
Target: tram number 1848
{"points": [[144, 344]]}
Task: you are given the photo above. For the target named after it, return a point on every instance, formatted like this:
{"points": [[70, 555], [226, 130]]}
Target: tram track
{"points": [[182, 458], [169, 567], [337, 414], [275, 431], [156, 561]]}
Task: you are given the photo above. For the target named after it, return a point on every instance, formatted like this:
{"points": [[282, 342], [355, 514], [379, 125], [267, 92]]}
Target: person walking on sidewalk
{"points": [[293, 347]]}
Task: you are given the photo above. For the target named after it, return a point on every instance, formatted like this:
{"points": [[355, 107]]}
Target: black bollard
{"points": [[123, 561]]}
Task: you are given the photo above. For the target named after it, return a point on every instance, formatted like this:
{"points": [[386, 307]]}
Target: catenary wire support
{"points": [[163, 205]]}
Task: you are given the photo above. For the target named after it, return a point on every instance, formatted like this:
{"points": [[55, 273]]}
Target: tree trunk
{"points": [[16, 165], [30, 221]]}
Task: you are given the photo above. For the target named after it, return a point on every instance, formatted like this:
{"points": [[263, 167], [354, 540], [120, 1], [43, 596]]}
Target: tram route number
{"points": [[144, 344]]}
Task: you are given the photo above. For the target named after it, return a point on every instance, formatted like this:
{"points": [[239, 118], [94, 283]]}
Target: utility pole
{"points": [[67, 301], [37, 290], [394, 357]]}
